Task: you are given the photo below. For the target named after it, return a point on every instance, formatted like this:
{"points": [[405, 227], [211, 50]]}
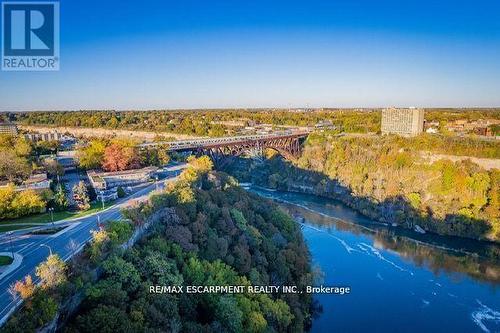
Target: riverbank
{"points": [[417, 196]]}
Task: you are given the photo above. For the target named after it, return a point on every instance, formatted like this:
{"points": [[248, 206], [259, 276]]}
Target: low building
{"points": [[68, 163], [484, 131], [49, 136], [481, 127], [402, 121], [324, 124], [36, 182], [107, 180], [8, 128]]}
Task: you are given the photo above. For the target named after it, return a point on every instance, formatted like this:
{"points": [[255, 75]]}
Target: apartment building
{"points": [[402, 121]]}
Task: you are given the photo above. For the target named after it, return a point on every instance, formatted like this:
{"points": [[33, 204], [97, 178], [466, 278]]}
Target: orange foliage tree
{"points": [[119, 157], [25, 289]]}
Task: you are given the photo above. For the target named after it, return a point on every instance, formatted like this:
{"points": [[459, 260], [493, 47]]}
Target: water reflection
{"points": [[450, 255]]}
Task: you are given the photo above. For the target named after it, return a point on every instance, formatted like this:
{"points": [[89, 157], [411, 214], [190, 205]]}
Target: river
{"points": [[401, 281]]}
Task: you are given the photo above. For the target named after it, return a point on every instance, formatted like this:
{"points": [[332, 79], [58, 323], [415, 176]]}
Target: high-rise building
{"points": [[403, 121], [8, 128]]}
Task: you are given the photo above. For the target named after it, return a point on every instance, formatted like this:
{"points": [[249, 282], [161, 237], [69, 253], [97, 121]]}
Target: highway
{"points": [[34, 249]]}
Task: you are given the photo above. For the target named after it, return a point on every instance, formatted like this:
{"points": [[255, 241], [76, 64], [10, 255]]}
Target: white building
{"points": [[402, 121], [107, 180], [8, 128]]}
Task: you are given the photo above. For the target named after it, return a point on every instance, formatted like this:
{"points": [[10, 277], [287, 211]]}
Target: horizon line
{"points": [[325, 108]]}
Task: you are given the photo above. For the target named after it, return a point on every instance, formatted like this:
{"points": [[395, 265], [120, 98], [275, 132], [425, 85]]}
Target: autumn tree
{"points": [[15, 204], [25, 288], [202, 164], [52, 272], [12, 167], [27, 202], [119, 157], [98, 243], [15, 158], [91, 156]]}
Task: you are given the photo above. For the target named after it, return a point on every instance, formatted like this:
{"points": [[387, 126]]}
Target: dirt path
{"points": [[486, 163]]}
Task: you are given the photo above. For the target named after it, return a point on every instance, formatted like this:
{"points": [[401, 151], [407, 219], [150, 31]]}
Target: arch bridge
{"points": [[287, 143]]}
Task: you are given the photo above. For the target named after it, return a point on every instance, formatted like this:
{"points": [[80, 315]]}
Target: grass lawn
{"points": [[44, 218], [5, 260]]}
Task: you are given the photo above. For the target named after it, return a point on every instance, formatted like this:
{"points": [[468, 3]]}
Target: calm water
{"points": [[401, 281]]}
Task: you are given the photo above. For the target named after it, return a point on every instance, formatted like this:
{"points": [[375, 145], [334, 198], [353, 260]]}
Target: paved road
{"points": [[36, 248]]}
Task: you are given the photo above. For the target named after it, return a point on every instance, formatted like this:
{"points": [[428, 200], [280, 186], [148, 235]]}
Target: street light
{"points": [[156, 178], [10, 242], [51, 210], [50, 249]]}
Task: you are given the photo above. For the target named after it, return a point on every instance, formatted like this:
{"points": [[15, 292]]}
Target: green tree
{"points": [[60, 199], [120, 192], [106, 319], [53, 168], [119, 231], [118, 270], [229, 314]]}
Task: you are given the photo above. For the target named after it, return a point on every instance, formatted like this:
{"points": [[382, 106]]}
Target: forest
{"points": [[205, 230], [387, 179]]}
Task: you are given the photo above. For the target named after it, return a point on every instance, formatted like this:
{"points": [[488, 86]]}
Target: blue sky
{"points": [[205, 54]]}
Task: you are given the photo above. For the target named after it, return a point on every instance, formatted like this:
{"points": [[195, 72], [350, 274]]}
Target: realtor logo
{"points": [[30, 36]]}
